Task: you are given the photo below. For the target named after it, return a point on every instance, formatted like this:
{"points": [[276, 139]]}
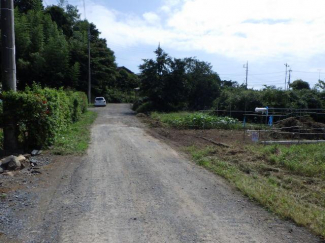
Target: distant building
{"points": [[125, 69]]}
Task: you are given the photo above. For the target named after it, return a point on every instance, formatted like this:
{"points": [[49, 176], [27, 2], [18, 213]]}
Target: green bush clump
{"points": [[117, 96], [196, 120], [41, 114]]}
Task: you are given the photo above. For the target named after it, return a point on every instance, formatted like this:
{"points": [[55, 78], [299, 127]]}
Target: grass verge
{"points": [[292, 192], [76, 139]]}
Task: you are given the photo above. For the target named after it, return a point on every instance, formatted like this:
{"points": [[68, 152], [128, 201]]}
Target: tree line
{"points": [[170, 84], [52, 50]]}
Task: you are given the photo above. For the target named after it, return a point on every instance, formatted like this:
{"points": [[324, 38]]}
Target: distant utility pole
{"points": [[8, 69], [319, 70], [285, 79], [89, 67], [289, 78], [246, 66]]}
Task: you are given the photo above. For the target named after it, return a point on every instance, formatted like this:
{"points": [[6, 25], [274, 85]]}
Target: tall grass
{"points": [[304, 159], [186, 120]]}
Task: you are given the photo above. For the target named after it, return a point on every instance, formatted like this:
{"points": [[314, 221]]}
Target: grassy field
{"points": [[76, 139], [187, 120]]}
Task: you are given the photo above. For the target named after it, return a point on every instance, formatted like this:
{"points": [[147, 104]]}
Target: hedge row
{"points": [[41, 114]]}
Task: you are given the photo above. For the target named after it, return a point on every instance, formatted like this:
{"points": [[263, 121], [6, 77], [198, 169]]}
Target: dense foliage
{"points": [[52, 50], [172, 84], [41, 114], [169, 84]]}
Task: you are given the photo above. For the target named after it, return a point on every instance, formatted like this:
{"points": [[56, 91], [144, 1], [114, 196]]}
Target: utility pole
{"points": [[319, 70], [285, 79], [246, 66], [8, 70], [289, 78], [89, 68], [8, 46]]}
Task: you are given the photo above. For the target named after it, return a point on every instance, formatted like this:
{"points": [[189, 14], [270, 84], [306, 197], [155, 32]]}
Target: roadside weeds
{"points": [[76, 139], [267, 186]]}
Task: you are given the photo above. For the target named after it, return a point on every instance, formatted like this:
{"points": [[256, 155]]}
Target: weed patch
{"points": [[304, 159], [290, 194], [185, 120], [76, 138]]}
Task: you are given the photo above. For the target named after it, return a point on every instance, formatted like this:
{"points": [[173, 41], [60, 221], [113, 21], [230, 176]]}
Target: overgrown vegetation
{"points": [[287, 180], [196, 120], [75, 139], [41, 114]]}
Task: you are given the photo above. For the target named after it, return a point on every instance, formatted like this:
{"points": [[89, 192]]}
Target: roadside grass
{"points": [[76, 139], [285, 180], [196, 120]]}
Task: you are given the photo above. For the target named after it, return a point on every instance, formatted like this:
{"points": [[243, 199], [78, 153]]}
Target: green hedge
{"points": [[41, 114]]}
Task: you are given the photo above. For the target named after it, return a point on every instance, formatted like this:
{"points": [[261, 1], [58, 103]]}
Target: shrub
{"points": [[145, 107], [41, 114], [118, 96]]}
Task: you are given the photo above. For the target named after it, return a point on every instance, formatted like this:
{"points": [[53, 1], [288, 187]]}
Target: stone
{"points": [[1, 170], [10, 163], [21, 158], [6, 160], [14, 164], [27, 156], [36, 152]]}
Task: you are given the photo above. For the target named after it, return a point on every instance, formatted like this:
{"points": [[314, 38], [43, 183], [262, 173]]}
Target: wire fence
{"points": [[279, 125]]}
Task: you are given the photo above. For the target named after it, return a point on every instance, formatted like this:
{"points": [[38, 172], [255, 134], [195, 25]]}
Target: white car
{"points": [[100, 101]]}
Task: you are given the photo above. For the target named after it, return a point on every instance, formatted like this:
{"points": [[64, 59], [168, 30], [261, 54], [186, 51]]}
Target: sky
{"points": [[226, 33]]}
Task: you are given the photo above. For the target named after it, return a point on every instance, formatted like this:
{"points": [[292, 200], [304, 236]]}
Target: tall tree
{"points": [[25, 5], [299, 84]]}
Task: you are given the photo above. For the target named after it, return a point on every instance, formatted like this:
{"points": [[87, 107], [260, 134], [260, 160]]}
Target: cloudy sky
{"points": [[226, 33]]}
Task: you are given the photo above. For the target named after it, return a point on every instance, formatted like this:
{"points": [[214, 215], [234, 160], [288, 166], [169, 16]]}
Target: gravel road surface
{"points": [[131, 187]]}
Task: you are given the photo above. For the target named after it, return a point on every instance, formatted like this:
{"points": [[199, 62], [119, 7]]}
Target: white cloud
{"points": [[244, 30], [151, 18], [271, 27]]}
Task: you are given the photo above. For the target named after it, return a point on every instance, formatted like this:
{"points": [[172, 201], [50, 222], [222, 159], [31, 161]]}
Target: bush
{"points": [[145, 107], [117, 96], [41, 114]]}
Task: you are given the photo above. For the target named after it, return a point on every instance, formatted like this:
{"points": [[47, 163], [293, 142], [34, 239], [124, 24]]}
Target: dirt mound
{"points": [[302, 122], [299, 128], [289, 122]]}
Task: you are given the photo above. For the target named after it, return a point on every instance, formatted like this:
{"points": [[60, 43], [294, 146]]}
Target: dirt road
{"points": [[132, 187]]}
